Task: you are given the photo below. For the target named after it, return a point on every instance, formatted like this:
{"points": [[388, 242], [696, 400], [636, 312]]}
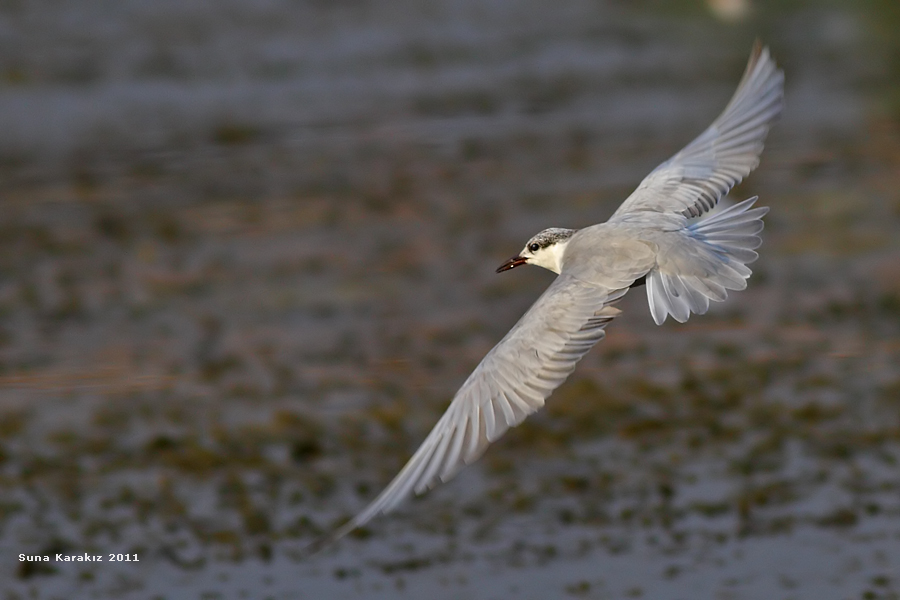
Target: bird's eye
{"points": [[534, 247]]}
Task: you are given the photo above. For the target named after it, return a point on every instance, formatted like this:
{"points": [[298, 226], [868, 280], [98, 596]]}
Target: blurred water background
{"points": [[247, 255]]}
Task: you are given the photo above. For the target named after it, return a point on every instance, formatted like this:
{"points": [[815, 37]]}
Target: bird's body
{"points": [[654, 237]]}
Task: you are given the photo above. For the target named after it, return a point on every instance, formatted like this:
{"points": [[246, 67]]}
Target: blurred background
{"points": [[247, 255]]}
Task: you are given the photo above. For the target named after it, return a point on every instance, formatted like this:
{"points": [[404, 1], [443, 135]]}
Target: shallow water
{"points": [[248, 255]]}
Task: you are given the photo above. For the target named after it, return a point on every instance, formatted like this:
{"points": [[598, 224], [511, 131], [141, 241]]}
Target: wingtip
{"points": [[759, 53], [323, 542], [756, 49]]}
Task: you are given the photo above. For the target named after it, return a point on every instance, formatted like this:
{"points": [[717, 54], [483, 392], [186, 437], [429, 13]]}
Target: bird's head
{"points": [[546, 250]]}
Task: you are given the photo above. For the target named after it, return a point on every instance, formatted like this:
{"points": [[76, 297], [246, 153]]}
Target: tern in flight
{"points": [[654, 238]]}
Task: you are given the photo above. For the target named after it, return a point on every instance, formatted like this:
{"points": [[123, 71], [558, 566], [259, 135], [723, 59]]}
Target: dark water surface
{"points": [[247, 255]]}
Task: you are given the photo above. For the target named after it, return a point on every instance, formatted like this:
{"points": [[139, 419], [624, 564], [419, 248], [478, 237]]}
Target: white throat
{"points": [[551, 257]]}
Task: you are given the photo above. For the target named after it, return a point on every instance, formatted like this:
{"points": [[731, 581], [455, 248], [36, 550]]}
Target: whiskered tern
{"points": [[654, 238]]}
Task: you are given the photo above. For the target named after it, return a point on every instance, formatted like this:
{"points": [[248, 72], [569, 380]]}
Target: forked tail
{"points": [[708, 258]]}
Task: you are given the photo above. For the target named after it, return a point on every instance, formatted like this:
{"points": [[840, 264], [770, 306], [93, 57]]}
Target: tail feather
{"points": [[703, 264]]}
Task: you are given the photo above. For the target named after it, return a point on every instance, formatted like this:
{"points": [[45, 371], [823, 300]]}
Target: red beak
{"points": [[512, 263]]}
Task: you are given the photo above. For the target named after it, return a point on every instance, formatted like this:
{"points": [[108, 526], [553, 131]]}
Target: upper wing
{"points": [[511, 382], [693, 181]]}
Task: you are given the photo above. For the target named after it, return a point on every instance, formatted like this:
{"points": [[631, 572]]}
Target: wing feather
{"points": [[512, 381], [694, 180]]}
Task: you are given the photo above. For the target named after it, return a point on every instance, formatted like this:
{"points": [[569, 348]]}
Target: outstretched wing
{"points": [[511, 382], [693, 181]]}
